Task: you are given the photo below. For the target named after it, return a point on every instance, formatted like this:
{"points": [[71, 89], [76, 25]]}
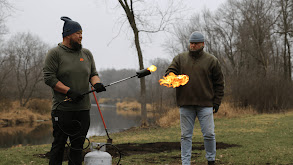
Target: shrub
{"points": [[105, 101], [131, 104], [41, 106], [266, 94], [128, 105], [171, 117], [5, 104]]}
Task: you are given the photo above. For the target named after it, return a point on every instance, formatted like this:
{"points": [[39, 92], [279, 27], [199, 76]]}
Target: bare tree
{"points": [[245, 36], [5, 8], [141, 18], [5, 68], [222, 35], [26, 53], [161, 97], [121, 90], [286, 29], [179, 41], [259, 18], [5, 72]]}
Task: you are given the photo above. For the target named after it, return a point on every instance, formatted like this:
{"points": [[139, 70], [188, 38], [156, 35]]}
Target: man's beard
{"points": [[75, 45], [195, 52]]}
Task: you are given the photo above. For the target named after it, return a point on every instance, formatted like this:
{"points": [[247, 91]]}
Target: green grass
{"points": [[263, 139], [260, 139]]}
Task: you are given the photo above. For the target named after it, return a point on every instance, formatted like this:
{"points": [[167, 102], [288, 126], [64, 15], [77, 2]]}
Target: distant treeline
{"points": [[130, 89], [253, 41], [251, 38]]}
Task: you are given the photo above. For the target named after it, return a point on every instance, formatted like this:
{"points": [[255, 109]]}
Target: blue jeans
{"points": [[206, 120]]}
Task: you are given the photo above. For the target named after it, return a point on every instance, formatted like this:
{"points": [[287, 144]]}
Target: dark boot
{"points": [[211, 162]]}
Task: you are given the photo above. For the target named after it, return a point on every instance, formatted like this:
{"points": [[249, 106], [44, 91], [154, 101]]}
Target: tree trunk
{"points": [[287, 54], [131, 18], [142, 80], [289, 62]]}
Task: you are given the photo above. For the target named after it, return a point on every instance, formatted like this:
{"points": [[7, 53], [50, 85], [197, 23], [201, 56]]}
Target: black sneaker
{"points": [[211, 162]]}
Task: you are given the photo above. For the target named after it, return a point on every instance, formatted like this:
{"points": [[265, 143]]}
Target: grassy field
{"points": [[250, 139]]}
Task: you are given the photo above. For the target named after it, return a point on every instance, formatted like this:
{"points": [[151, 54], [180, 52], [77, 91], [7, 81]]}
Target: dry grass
{"points": [[227, 110], [40, 106], [133, 113], [132, 108], [5, 104], [132, 105], [171, 118], [16, 115], [103, 100], [128, 112], [107, 101]]}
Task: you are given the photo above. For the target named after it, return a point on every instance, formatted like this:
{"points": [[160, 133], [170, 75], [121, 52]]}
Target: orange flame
{"points": [[152, 68], [173, 80]]}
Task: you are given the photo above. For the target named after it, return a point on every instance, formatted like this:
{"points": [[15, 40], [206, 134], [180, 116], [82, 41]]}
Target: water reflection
{"points": [[26, 134], [114, 121], [41, 132]]}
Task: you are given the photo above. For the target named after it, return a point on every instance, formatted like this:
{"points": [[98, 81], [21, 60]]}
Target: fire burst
{"points": [[173, 80], [152, 68]]}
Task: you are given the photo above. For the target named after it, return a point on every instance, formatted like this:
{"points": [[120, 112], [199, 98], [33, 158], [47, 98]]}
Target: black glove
{"points": [[216, 107], [99, 87], [75, 96]]}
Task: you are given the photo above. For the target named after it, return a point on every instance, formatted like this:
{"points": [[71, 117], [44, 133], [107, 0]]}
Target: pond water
{"points": [[41, 132]]}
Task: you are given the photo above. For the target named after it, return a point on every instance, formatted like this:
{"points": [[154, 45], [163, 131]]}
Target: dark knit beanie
{"points": [[69, 26], [196, 37]]}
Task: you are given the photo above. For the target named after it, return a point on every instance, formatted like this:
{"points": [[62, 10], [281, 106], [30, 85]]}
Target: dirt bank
{"points": [[129, 149]]}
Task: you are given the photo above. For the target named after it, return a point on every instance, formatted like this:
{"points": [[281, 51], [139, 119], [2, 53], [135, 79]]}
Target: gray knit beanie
{"points": [[69, 26], [196, 37]]}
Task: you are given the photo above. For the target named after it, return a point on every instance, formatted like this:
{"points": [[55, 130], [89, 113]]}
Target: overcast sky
{"points": [[99, 23]]}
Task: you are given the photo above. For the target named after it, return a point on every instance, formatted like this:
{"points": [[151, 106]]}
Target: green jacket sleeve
{"points": [[174, 66], [50, 68], [93, 68], [218, 83]]}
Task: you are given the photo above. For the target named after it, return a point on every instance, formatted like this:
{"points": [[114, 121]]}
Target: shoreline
{"points": [[15, 118], [9, 123]]}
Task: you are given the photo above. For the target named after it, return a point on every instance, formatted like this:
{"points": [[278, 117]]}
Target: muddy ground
{"points": [[128, 149]]}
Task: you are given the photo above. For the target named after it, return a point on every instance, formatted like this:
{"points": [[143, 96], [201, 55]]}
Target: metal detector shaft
{"points": [[111, 84]]}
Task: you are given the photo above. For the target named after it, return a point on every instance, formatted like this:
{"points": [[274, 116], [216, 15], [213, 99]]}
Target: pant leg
{"points": [[187, 119], [58, 145], [77, 140], [206, 120]]}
